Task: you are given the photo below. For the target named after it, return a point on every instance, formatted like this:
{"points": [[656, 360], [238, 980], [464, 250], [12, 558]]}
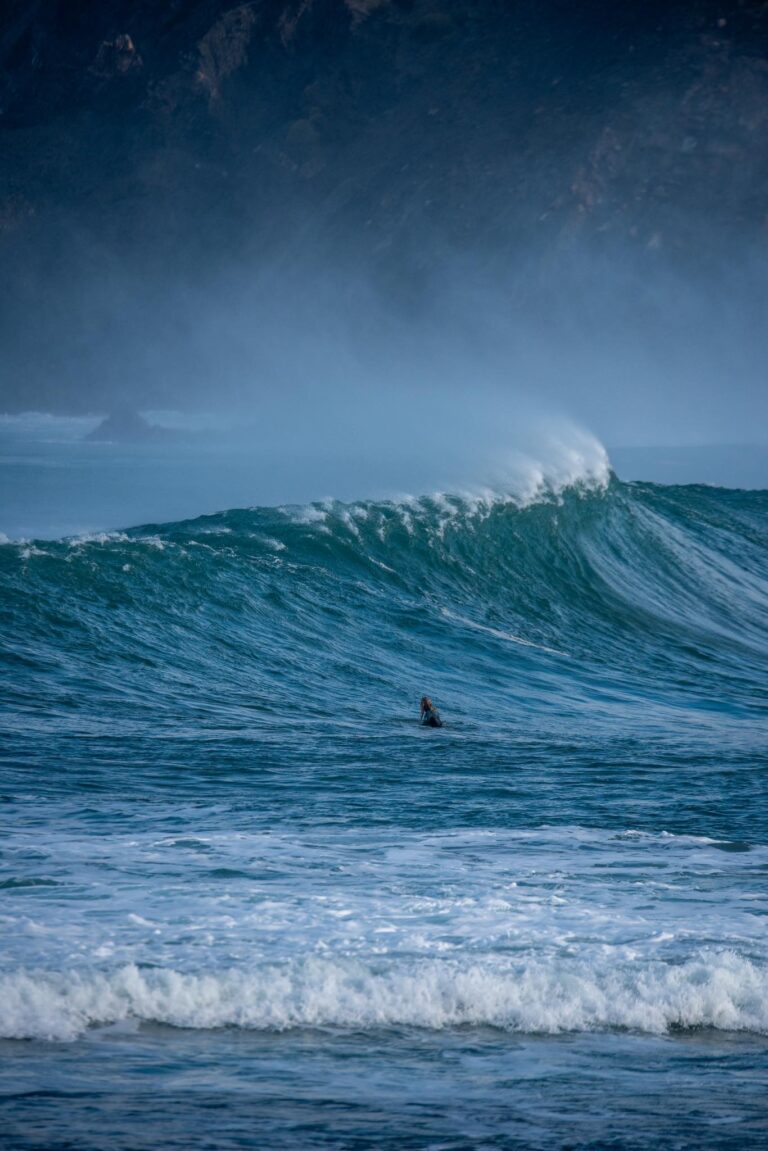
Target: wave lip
{"points": [[711, 989]]}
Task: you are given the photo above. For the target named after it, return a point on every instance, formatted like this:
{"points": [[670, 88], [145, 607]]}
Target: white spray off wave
{"points": [[572, 458], [711, 989], [553, 461]]}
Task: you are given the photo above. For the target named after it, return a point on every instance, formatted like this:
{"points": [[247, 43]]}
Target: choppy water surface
{"points": [[246, 901]]}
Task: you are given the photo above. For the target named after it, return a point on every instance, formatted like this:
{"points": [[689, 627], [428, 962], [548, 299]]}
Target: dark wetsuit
{"points": [[431, 718]]}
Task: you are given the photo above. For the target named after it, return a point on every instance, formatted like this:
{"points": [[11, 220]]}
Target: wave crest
{"points": [[711, 989]]}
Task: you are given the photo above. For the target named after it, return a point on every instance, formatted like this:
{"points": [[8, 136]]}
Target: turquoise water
{"points": [[247, 901]]}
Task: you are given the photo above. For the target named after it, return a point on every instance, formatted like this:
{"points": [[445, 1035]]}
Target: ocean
{"points": [[246, 901]]}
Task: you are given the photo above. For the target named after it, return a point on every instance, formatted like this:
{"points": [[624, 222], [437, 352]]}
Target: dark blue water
{"points": [[246, 901]]}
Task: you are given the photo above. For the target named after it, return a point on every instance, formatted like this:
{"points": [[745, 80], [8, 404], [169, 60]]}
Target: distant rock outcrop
{"points": [[125, 426]]}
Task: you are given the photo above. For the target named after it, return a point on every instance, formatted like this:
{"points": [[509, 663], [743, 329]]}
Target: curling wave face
{"points": [[225, 813], [651, 599]]}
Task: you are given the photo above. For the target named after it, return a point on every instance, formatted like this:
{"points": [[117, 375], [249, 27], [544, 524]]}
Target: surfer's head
{"points": [[426, 703]]}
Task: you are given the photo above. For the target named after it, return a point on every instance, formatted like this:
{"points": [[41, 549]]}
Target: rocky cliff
{"points": [[142, 141]]}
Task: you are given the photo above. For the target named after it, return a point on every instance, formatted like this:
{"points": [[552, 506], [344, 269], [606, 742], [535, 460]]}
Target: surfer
{"points": [[430, 716]]}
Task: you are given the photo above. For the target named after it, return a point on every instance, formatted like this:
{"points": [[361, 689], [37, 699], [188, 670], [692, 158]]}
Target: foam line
{"points": [[711, 989]]}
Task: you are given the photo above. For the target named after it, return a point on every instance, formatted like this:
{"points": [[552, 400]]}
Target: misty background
{"points": [[360, 247]]}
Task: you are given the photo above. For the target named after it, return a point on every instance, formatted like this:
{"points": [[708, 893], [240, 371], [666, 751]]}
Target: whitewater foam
{"points": [[574, 461], [719, 990]]}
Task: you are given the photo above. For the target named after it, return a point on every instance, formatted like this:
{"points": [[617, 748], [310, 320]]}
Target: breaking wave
{"points": [[712, 989], [597, 585]]}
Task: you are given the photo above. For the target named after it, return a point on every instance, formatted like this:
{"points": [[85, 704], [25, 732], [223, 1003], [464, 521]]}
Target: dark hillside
{"points": [[144, 145]]}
